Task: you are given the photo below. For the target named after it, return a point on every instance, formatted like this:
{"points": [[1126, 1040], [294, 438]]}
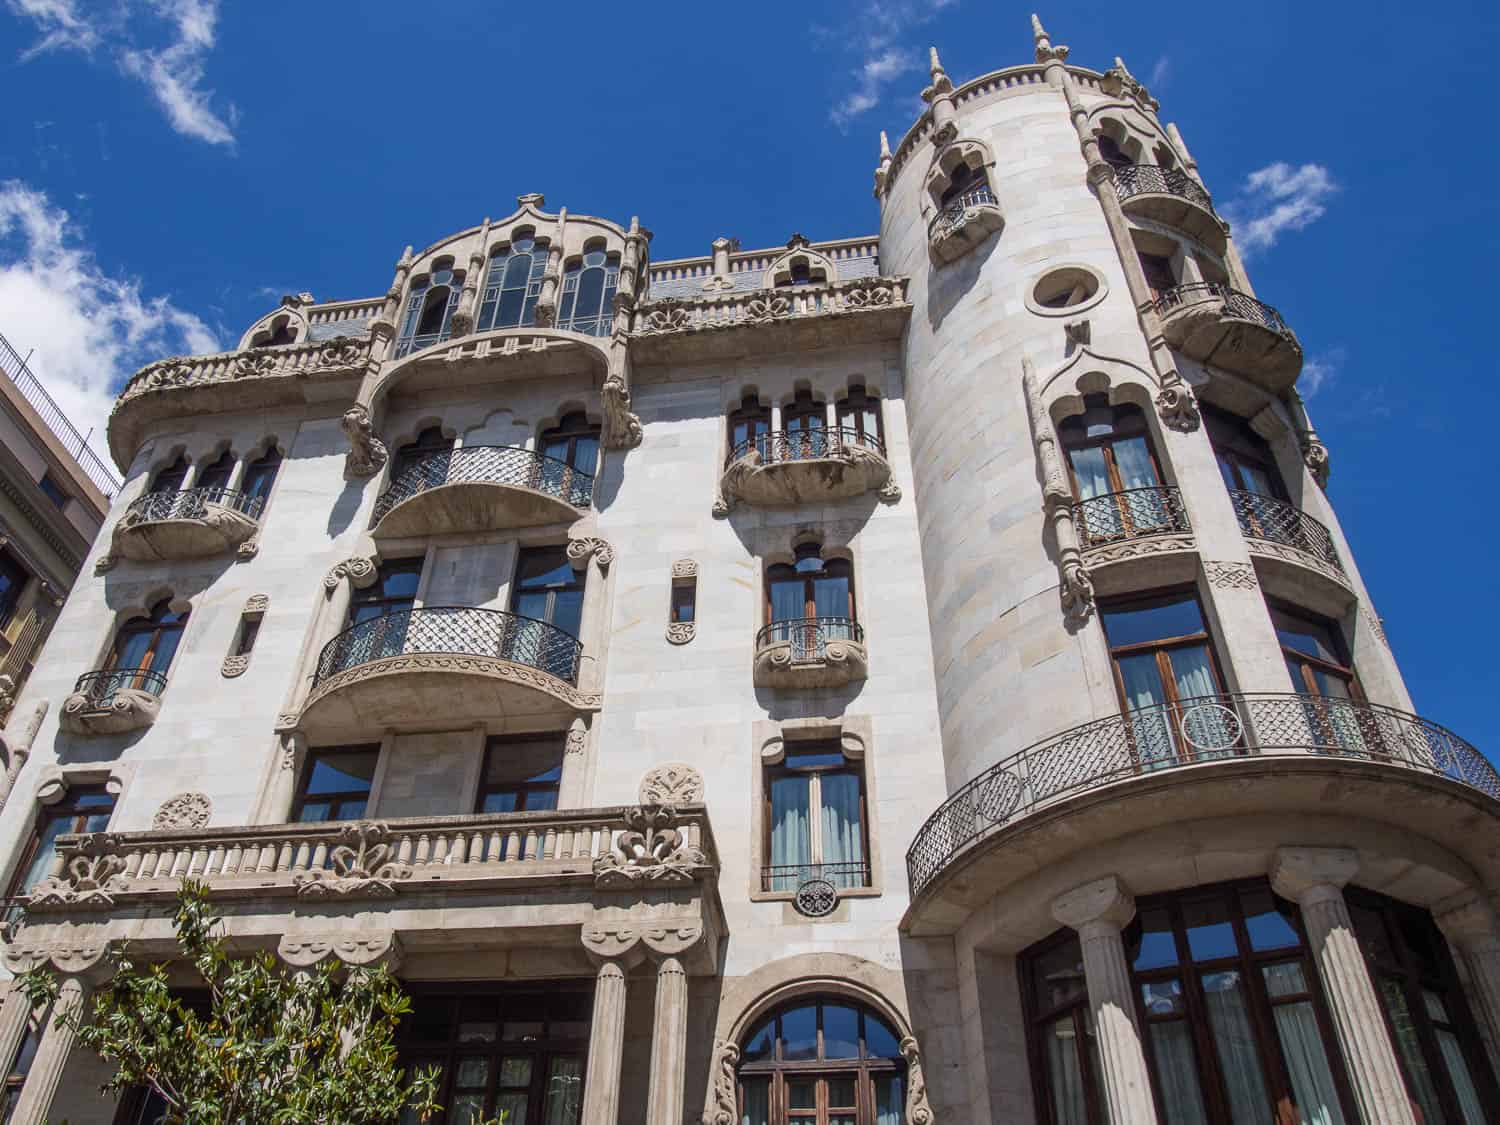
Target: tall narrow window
{"points": [[823, 1061], [428, 306], [1114, 473], [84, 808], [571, 447], [260, 475], [684, 600], [810, 602], [170, 479], [380, 614], [521, 773], [815, 819], [805, 421], [588, 295], [1245, 460], [1113, 154], [336, 784], [1062, 1036], [547, 592], [749, 424], [965, 179], [144, 648], [1163, 659], [13, 578], [1158, 270], [1315, 654], [512, 285], [859, 419], [216, 474]]}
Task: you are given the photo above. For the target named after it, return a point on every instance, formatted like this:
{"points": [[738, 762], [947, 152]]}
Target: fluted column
{"points": [[51, 1054], [668, 1044], [14, 1017], [1099, 911], [1314, 879], [601, 1092], [1471, 929]]}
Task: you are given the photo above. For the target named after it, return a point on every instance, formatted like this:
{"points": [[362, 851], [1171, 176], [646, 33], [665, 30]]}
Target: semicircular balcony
{"points": [[813, 652], [1171, 197], [481, 488], [786, 468], [964, 223], [1130, 536], [191, 524], [1214, 323], [113, 701], [458, 661], [1196, 759], [1283, 536]]}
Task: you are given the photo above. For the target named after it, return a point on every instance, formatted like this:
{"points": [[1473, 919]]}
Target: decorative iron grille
{"points": [[1148, 179], [780, 446], [461, 630], [100, 687], [1265, 517], [1129, 515], [786, 878], [192, 504], [952, 216], [809, 636], [1240, 306], [1181, 734], [490, 464]]}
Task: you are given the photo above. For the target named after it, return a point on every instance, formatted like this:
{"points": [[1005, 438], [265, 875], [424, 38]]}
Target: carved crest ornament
{"points": [[362, 865], [650, 851]]}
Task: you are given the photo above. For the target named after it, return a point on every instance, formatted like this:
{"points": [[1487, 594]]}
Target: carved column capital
{"points": [[1105, 902], [1300, 872], [363, 949]]}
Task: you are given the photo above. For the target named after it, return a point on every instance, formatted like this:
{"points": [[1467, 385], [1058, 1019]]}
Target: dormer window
{"points": [[512, 285], [588, 295]]}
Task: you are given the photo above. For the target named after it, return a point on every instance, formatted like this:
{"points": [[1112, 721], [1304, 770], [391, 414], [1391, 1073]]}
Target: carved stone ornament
{"points": [[767, 306], [667, 315], [674, 783], [68, 954], [1375, 625], [1315, 457], [681, 632], [7, 697], [234, 666], [1076, 591], [491, 666], [363, 865], [725, 1108], [105, 563], [685, 568], [1118, 82], [248, 549], [650, 851], [253, 364], [126, 709], [341, 351], [1177, 406], [360, 571], [624, 428], [359, 950], [257, 603], [367, 453], [88, 878], [816, 898], [1297, 555], [582, 549], [1230, 575], [918, 1110], [1137, 548], [868, 293], [185, 810]]}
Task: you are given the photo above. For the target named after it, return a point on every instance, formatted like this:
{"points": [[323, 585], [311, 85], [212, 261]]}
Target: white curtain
{"points": [[1177, 1073], [564, 1092], [890, 1099], [843, 834], [1418, 1078], [1234, 1041], [1101, 517], [1303, 1049], [791, 836], [1150, 729], [1146, 511], [1211, 732], [1463, 1082], [757, 1107], [1068, 1103]]}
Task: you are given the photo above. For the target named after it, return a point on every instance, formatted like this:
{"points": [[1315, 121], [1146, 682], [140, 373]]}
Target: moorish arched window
{"points": [[217, 474], [822, 1061], [588, 295], [144, 647], [512, 285], [170, 479], [859, 419], [1114, 471], [749, 424], [574, 441], [425, 451], [428, 307], [812, 594], [260, 475]]}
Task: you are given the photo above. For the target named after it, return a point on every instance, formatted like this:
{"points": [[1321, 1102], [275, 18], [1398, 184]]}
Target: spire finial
{"points": [[885, 146], [883, 171], [941, 83], [935, 64], [1045, 51], [1119, 62], [1038, 32]]}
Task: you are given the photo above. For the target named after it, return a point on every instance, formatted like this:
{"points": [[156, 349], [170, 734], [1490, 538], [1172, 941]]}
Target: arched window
{"points": [[426, 451], [859, 419], [812, 595], [965, 179], [428, 306], [170, 479], [144, 647], [805, 422], [1164, 158], [748, 424], [217, 474], [1113, 154], [1114, 472], [260, 475], [512, 285], [1245, 459], [824, 1061], [589, 293], [281, 333]]}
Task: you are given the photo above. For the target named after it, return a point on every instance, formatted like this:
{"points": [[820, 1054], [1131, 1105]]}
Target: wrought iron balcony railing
{"points": [[191, 504], [489, 464], [1239, 306], [809, 636], [462, 630], [782, 446], [1176, 735], [1148, 179], [1265, 517], [952, 214], [787, 877], [102, 686], [1129, 515]]}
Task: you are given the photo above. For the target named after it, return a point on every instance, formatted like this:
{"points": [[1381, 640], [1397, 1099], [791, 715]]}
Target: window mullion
{"points": [[815, 818]]}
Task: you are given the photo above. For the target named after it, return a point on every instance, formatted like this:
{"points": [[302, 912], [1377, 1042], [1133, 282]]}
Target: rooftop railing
{"points": [[73, 442]]}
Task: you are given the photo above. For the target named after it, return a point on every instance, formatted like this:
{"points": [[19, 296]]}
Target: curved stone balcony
{"points": [[1213, 323], [457, 661], [481, 488], [964, 224], [815, 652], [191, 524], [113, 701], [1172, 197], [792, 467], [1200, 758], [1282, 534]]}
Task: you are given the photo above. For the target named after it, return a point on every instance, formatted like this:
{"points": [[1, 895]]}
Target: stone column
{"points": [[601, 1093], [1314, 879], [1470, 927], [51, 1054], [1098, 911], [668, 1044], [14, 1018], [572, 786]]}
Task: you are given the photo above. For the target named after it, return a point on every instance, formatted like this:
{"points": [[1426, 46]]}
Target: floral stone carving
{"points": [[581, 550], [185, 810], [650, 851], [675, 783], [126, 709], [725, 1109], [363, 864]]}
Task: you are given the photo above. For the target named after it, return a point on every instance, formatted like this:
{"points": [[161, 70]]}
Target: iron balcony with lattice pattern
{"points": [[1129, 515], [481, 488], [1172, 197], [1276, 521]]}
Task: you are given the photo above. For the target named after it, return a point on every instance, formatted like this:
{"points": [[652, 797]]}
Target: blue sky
{"points": [[169, 167]]}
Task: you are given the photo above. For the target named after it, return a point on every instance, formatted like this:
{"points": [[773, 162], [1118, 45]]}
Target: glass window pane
{"points": [[315, 812], [802, 1093], [1163, 997], [1130, 625], [840, 1091], [472, 1072], [1234, 1042], [1418, 1078], [1209, 932], [466, 1109], [807, 759], [431, 1019], [1463, 1082], [1065, 1073], [1059, 976], [1267, 926], [500, 801], [840, 1035], [890, 1100], [1176, 1070], [799, 1033], [564, 1091], [756, 1102], [342, 772], [1285, 979], [761, 1044], [1300, 634], [880, 1040], [1157, 948], [509, 761]]}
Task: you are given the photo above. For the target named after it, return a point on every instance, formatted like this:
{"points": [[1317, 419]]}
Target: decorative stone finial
{"points": [[531, 199], [1045, 51], [883, 172], [1119, 82], [797, 240], [940, 80], [940, 97]]}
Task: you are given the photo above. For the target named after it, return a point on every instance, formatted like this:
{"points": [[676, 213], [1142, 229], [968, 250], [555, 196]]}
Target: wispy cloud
{"points": [[1276, 199], [1160, 72], [174, 73], [1318, 371], [877, 40], [87, 329]]}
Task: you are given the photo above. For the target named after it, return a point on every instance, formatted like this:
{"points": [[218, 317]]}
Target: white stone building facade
{"points": [[906, 679]]}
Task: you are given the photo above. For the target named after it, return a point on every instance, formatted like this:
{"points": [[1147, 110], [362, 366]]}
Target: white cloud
{"points": [[1160, 73], [88, 330], [882, 23], [1320, 370], [1276, 199], [173, 73]]}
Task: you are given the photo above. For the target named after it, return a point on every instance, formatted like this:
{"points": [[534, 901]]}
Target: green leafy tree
{"points": [[269, 1049]]}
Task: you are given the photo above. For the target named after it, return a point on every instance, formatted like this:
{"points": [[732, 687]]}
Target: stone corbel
{"points": [[1314, 452], [724, 1104], [367, 453], [582, 549], [650, 852], [1120, 83], [360, 572], [461, 323], [360, 950], [633, 264], [88, 879], [1045, 51], [1075, 587], [545, 313], [622, 428], [16, 747], [1176, 404], [918, 1109], [127, 709]]}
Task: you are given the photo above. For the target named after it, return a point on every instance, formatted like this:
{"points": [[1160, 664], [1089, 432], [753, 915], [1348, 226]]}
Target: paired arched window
{"points": [[965, 179], [428, 307], [260, 475], [825, 1061], [748, 425], [144, 647], [588, 294], [512, 285], [1113, 154], [859, 419], [216, 474], [281, 332], [170, 479], [1114, 472]]}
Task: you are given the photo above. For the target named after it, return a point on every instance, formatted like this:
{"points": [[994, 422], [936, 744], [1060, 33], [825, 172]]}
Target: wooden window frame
{"points": [[850, 413], [71, 805], [421, 447], [754, 417], [788, 572], [570, 428], [1106, 443], [803, 405], [371, 594], [1035, 1019], [578, 582], [1163, 646], [336, 799], [1150, 263], [849, 767], [152, 624], [175, 473], [222, 466], [496, 744], [495, 288], [1306, 663], [267, 465]]}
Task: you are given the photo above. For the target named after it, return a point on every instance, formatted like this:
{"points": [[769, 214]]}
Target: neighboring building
{"points": [[54, 493], [903, 679]]}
